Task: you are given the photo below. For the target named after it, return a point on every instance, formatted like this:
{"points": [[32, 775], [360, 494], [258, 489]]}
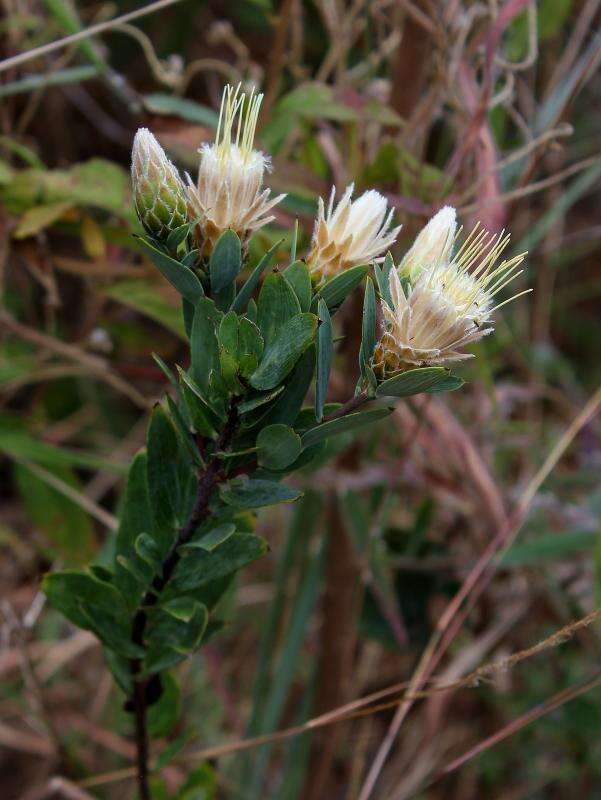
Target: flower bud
{"points": [[355, 232], [432, 245], [159, 193]]}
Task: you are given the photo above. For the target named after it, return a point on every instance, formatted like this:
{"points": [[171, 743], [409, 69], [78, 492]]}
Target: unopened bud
{"points": [[432, 245], [159, 193]]}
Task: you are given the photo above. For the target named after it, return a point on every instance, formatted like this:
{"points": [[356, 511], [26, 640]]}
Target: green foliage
{"points": [[422, 379], [226, 261], [179, 276], [350, 422], [278, 446], [337, 289], [289, 342], [324, 350]]}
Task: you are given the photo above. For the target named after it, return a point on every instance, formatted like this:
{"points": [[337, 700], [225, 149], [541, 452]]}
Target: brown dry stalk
{"points": [[94, 364], [363, 707], [452, 620], [92, 30]]}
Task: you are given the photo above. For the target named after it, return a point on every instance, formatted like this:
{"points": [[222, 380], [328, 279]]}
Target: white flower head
{"points": [[229, 192], [355, 232], [159, 193], [432, 244], [449, 306]]}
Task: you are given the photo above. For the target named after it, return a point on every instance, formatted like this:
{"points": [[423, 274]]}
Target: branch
{"points": [[208, 480], [348, 407]]}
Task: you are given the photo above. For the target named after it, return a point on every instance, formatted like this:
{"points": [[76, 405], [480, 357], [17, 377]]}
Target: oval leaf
{"points": [[343, 425], [422, 379], [279, 358], [226, 261], [325, 349], [277, 446]]}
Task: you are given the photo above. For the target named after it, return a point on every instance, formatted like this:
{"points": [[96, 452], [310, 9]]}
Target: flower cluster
{"points": [[439, 299], [228, 194]]}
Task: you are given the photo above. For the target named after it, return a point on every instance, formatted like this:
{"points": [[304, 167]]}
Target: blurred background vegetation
{"points": [[490, 106]]}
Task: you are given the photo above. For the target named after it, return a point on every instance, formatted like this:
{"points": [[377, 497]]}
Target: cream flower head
{"points": [[449, 305], [432, 245], [356, 232], [229, 192]]}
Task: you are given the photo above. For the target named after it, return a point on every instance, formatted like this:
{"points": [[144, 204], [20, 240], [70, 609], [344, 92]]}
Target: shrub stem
{"points": [[208, 480]]}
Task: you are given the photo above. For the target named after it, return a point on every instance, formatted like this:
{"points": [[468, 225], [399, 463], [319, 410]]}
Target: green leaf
{"points": [[244, 295], [67, 590], [200, 785], [169, 639], [297, 275], [350, 422], [164, 715], [422, 379], [147, 550], [94, 605], [250, 347], [166, 627], [287, 407], [368, 329], [171, 479], [174, 106], [188, 316], [256, 492], [294, 242], [340, 286], [182, 278], [206, 369], [165, 370], [177, 236], [183, 430], [277, 305], [203, 417], [171, 751], [289, 343], [201, 568], [227, 338], [112, 629], [255, 402], [211, 539], [278, 446], [40, 217], [382, 274], [135, 518], [325, 350], [226, 261], [550, 547], [19, 443]]}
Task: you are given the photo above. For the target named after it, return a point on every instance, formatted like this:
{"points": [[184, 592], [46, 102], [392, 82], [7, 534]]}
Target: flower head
{"points": [[355, 232], [432, 245], [159, 193], [449, 305], [229, 193]]}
